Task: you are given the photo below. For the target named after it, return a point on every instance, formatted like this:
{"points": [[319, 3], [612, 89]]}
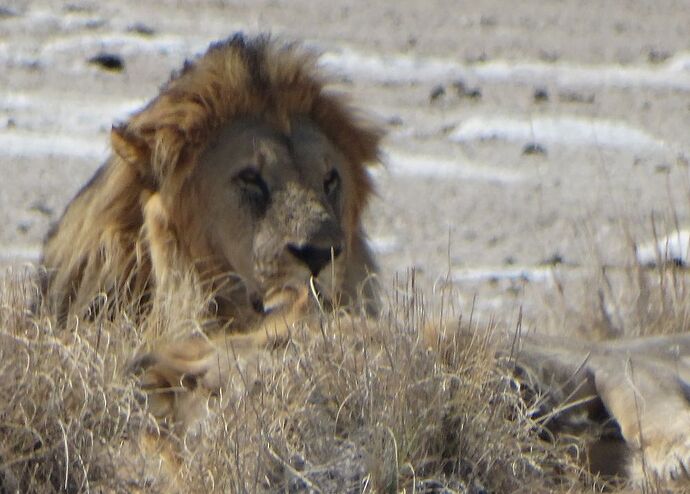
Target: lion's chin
{"points": [[278, 299], [283, 296]]}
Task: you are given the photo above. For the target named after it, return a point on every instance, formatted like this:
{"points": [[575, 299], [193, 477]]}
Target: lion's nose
{"points": [[315, 258]]}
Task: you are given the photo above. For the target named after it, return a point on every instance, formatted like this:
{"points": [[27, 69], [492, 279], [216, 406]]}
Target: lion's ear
{"points": [[130, 147]]}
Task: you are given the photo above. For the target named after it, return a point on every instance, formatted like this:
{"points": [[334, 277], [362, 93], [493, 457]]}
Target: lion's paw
{"points": [[661, 462]]}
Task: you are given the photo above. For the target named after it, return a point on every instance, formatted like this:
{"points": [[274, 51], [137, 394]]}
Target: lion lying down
{"points": [[642, 384], [242, 185]]}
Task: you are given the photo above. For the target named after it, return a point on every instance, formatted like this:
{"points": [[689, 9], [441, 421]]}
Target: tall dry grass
{"points": [[404, 403], [348, 405], [66, 407], [622, 300]]}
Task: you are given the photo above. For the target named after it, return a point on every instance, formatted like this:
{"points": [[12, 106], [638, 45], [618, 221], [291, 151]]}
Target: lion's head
{"points": [[244, 170]]}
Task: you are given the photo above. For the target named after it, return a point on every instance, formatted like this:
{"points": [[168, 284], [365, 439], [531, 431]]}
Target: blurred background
{"points": [[531, 145]]}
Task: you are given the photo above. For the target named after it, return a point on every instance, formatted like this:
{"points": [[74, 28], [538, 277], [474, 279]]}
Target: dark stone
{"points": [[42, 208], [541, 95], [464, 91], [554, 259], [533, 148], [657, 56], [141, 28], [436, 93], [108, 61]]}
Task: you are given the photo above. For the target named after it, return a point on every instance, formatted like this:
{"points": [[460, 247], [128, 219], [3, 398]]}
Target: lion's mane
{"points": [[98, 246]]}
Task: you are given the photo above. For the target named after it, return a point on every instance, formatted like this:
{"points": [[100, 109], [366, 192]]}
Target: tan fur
{"points": [[641, 386], [135, 225]]}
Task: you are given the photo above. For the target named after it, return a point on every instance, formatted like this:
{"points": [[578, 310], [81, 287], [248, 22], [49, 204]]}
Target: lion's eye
{"points": [[249, 176], [331, 183], [253, 183]]}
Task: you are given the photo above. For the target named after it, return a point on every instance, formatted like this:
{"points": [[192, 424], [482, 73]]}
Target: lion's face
{"points": [[270, 206], [244, 168]]}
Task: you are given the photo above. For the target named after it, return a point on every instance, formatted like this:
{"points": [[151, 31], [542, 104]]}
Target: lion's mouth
{"points": [[282, 298]]}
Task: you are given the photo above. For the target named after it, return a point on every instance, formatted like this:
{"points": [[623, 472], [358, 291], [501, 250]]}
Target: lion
{"points": [[635, 392], [243, 183], [244, 174]]}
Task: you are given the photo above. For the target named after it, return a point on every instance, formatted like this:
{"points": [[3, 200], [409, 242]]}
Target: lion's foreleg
{"points": [[161, 241], [179, 373], [177, 296]]}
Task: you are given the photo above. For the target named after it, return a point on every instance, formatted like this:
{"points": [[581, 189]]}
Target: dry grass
{"points": [[348, 405], [66, 408], [623, 300], [353, 406]]}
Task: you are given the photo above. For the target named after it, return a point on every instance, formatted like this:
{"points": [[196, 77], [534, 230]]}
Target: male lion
{"points": [[243, 174], [244, 182]]}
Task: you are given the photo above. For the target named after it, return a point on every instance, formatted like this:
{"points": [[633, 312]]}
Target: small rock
{"points": [[141, 28], [553, 260], [541, 95], [95, 24], [436, 93], [662, 168], [533, 148], [108, 61], [657, 56], [465, 91], [473, 93], [395, 121], [42, 208]]}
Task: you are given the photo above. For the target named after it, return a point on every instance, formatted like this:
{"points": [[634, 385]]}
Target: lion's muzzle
{"points": [[314, 257]]}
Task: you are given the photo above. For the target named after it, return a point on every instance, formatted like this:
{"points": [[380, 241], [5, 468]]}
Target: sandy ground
{"points": [[528, 141]]}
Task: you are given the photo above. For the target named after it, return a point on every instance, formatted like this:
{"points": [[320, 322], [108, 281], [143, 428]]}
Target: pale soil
{"points": [[511, 210]]}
